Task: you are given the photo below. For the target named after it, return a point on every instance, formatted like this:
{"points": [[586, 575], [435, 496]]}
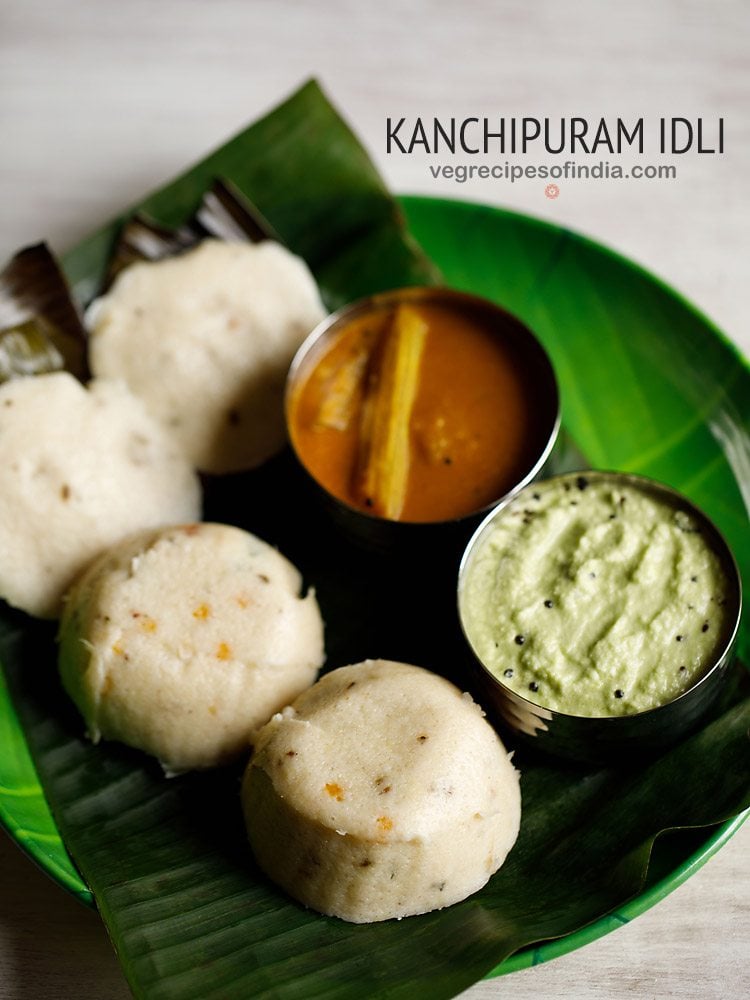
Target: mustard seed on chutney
{"points": [[422, 405]]}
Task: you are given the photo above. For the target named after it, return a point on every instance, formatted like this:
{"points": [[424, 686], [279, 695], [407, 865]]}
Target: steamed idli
{"points": [[181, 642], [206, 339], [381, 792], [81, 469]]}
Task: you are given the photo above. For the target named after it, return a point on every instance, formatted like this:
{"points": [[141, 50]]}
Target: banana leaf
{"points": [[313, 181], [647, 385], [40, 329]]}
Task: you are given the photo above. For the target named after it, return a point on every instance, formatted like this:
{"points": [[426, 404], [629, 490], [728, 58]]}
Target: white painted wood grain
{"points": [[101, 101]]}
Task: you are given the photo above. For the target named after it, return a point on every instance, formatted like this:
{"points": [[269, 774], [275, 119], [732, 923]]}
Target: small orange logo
{"points": [[552, 190]]}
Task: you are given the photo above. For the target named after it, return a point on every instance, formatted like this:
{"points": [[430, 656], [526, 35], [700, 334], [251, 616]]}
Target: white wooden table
{"points": [[103, 101]]}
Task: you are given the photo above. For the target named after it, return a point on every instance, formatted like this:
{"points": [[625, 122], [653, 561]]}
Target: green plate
{"points": [[684, 420]]}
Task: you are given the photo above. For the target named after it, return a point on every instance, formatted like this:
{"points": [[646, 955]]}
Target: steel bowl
{"points": [[607, 738], [388, 536]]}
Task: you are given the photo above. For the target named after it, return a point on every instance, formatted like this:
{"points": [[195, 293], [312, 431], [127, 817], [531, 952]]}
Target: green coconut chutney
{"points": [[593, 597]]}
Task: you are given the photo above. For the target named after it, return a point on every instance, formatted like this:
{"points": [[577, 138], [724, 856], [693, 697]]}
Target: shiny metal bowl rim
{"points": [[416, 293], [647, 485]]}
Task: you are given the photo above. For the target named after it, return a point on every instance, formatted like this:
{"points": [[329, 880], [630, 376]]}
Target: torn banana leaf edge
{"points": [[40, 328], [223, 214]]}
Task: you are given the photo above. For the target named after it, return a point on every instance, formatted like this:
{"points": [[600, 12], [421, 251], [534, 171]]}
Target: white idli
{"points": [[182, 642], [381, 792], [81, 469], [206, 339]]}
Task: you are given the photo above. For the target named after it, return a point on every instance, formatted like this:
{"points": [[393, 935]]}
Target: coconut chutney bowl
{"points": [[414, 411], [601, 610]]}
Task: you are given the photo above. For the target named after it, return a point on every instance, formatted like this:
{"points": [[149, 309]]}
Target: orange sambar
{"points": [[481, 416]]}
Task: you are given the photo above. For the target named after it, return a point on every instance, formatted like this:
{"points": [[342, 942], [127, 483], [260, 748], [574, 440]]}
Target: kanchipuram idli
{"points": [[83, 467], [182, 642], [381, 792], [206, 339]]}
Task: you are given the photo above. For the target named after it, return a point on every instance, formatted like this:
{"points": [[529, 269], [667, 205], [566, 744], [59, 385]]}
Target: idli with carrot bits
{"points": [[206, 338], [82, 467], [380, 792], [183, 641]]}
